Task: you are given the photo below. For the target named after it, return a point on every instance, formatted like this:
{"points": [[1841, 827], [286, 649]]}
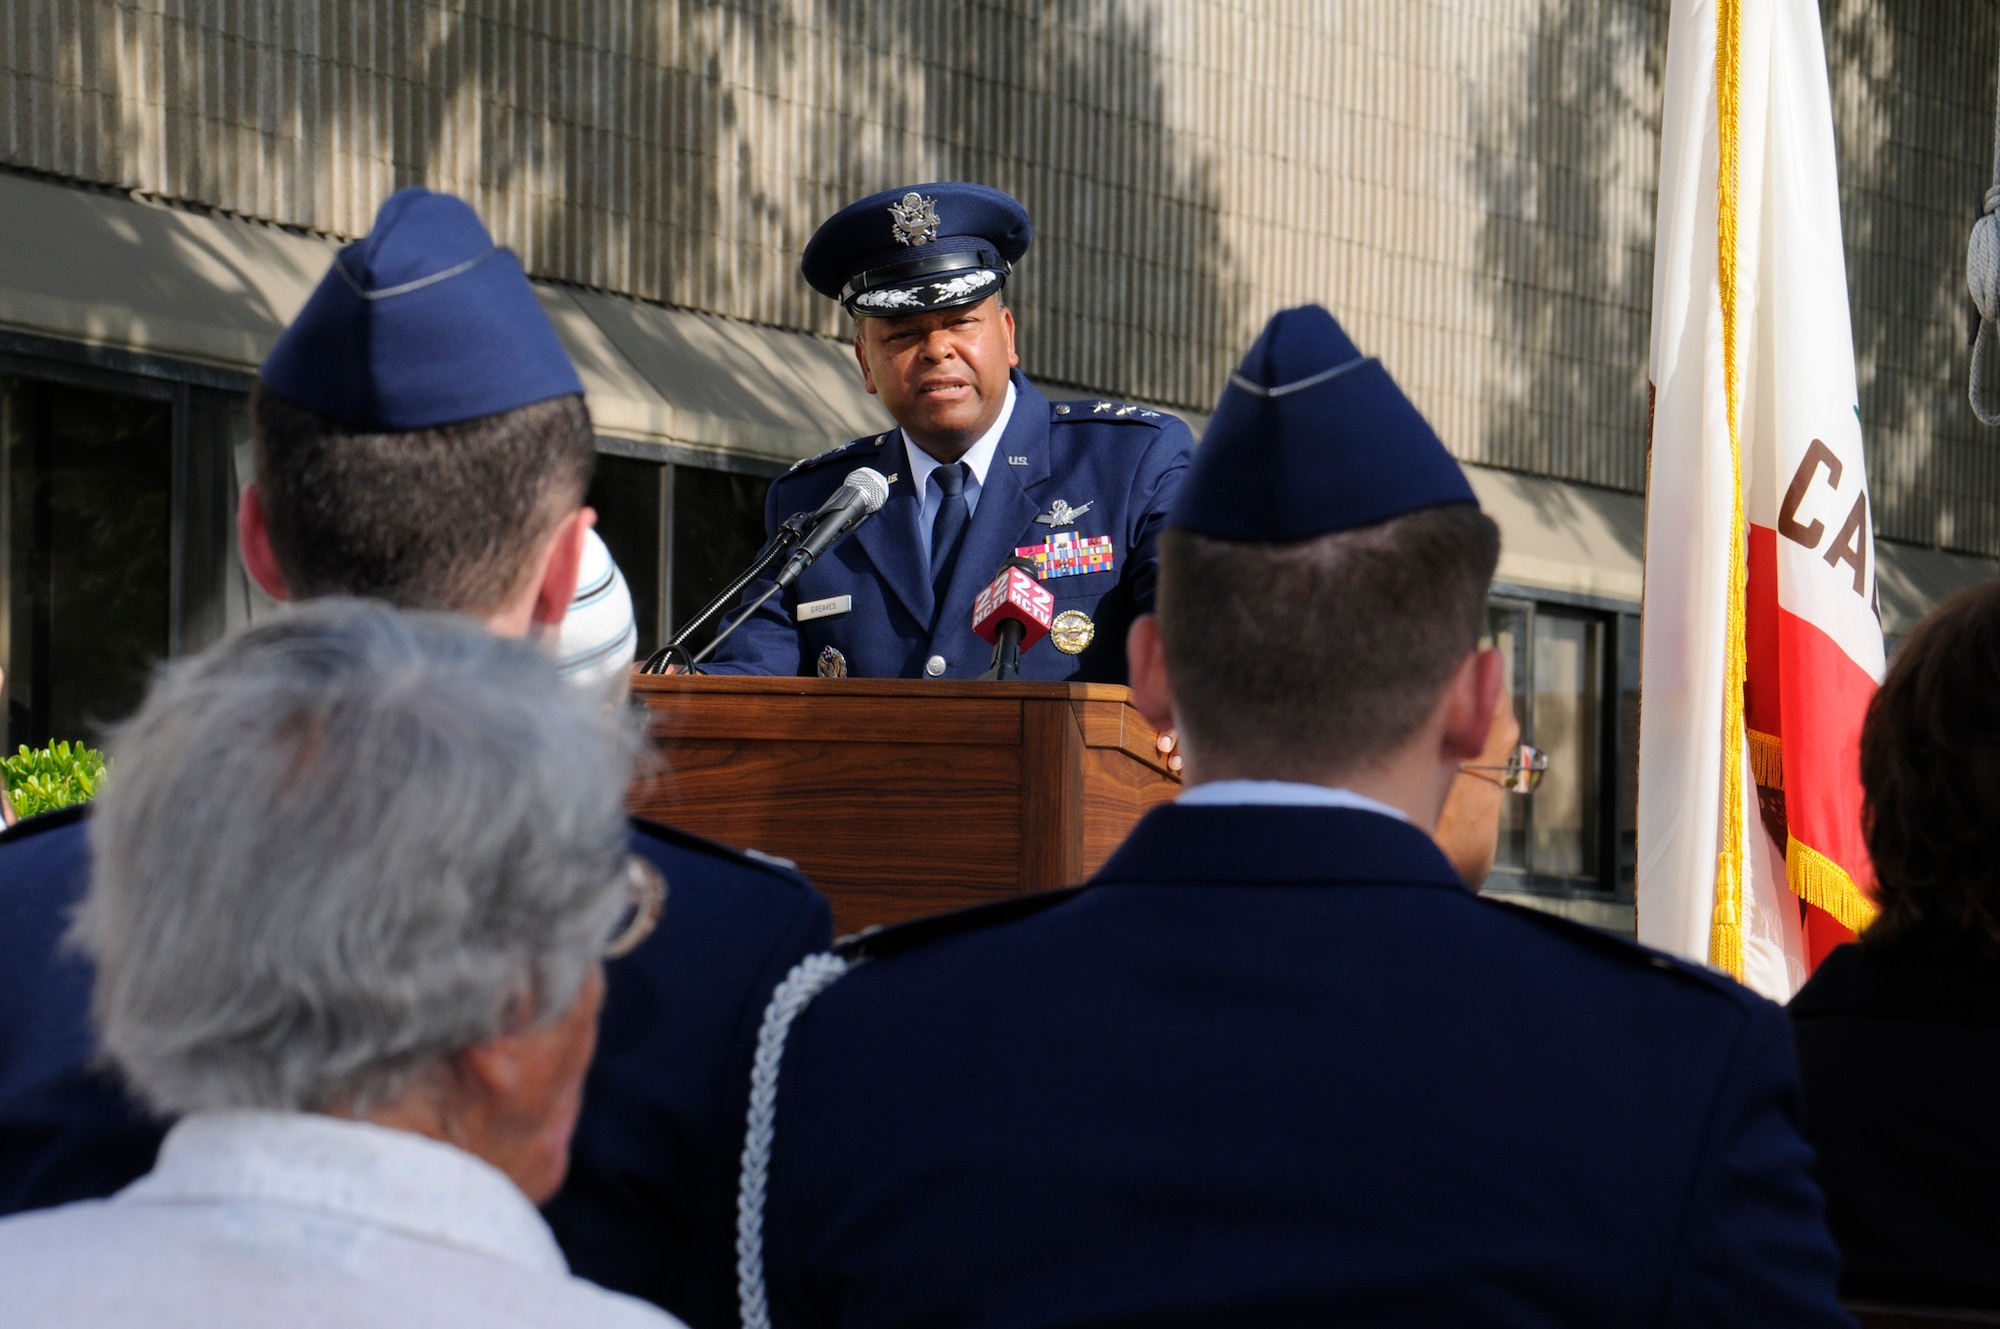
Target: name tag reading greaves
{"points": [[827, 608]]}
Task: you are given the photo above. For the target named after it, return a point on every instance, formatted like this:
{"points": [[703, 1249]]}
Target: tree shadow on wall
{"points": [[1062, 104], [617, 146], [1565, 245], [1915, 159]]}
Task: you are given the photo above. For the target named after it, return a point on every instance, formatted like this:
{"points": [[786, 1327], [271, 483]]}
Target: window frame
{"points": [[1618, 620]]}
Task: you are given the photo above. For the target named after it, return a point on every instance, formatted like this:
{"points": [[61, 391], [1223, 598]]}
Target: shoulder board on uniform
{"points": [[1098, 408], [1623, 948], [871, 440], [29, 827], [893, 939], [753, 859]]}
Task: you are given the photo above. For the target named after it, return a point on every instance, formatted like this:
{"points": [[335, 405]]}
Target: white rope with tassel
{"points": [[809, 977], [1982, 278]]}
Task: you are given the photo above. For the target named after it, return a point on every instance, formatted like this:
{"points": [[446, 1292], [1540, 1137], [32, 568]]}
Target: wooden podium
{"points": [[902, 797]]}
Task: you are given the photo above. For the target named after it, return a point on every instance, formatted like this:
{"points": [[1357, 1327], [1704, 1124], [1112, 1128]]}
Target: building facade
{"points": [[1468, 185]]}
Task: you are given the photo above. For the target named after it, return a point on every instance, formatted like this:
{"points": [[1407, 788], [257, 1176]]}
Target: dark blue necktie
{"points": [[948, 527]]}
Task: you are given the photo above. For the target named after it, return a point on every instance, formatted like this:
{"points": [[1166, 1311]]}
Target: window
{"points": [[679, 534], [1572, 675], [85, 483]]}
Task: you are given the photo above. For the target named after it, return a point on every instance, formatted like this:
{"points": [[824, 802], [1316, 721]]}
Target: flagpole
{"points": [[1725, 937]]}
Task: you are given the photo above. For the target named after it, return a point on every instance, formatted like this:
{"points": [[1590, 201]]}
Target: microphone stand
{"points": [[734, 624], [788, 535]]}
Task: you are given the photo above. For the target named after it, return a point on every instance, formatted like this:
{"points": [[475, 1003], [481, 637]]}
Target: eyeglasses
{"points": [[1522, 773], [642, 912]]}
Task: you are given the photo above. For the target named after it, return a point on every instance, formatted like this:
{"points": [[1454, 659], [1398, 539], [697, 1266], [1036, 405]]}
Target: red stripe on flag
{"points": [[1804, 690], [1824, 695]]}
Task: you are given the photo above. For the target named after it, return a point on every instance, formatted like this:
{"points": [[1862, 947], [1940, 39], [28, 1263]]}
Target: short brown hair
{"points": [[1930, 775], [449, 517], [1298, 659]]}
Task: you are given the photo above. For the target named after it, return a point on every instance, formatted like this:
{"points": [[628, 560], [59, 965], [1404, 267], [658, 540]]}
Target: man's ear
{"points": [[253, 544], [562, 562], [861, 358], [1470, 701], [1007, 322], [1146, 661]]}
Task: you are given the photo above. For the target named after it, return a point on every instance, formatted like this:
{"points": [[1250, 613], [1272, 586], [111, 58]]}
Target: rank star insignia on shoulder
{"points": [[822, 456], [1117, 411]]}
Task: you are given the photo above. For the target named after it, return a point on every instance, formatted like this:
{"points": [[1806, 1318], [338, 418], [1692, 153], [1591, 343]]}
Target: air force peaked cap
{"points": [[921, 247], [423, 322], [1311, 437]]}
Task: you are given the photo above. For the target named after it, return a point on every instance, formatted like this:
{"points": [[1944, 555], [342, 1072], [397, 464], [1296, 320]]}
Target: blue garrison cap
{"points": [[425, 321], [1311, 437], [904, 251]]}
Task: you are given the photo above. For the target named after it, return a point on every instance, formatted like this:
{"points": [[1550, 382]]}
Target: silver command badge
{"points": [[914, 220], [1072, 631], [1061, 513], [832, 664]]}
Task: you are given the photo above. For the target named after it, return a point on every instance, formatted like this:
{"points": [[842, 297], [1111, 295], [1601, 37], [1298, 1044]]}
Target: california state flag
{"points": [[1762, 643]]}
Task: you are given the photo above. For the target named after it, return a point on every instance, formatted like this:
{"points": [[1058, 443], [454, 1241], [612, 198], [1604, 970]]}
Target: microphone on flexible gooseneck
{"points": [[859, 497], [1013, 613]]}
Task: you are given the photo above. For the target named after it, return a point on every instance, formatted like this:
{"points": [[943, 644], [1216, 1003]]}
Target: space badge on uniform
{"points": [[1068, 554]]}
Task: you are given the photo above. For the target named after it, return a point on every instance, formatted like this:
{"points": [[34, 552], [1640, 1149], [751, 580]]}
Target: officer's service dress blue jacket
{"points": [[1124, 462], [1277, 1066], [650, 1204]]}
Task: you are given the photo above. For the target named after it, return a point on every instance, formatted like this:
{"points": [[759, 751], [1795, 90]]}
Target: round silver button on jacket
{"points": [[934, 666]]}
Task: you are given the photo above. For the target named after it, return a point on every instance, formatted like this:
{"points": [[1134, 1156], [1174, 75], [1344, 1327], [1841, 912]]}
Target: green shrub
{"points": [[53, 777]]}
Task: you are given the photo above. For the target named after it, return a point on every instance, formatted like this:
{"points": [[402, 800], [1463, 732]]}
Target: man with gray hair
{"points": [[355, 874]]}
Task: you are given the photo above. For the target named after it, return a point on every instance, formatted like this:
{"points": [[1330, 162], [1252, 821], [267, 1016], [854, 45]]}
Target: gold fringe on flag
{"points": [[1818, 880], [1725, 931], [1813, 877], [1767, 760]]}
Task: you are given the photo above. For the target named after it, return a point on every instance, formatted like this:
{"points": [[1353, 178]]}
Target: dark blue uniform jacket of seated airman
{"points": [[650, 1204], [1125, 462], [1276, 1066]]}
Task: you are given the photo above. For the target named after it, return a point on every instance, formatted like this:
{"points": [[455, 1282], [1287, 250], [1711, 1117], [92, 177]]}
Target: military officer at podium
{"points": [[1274, 1064], [980, 466]]}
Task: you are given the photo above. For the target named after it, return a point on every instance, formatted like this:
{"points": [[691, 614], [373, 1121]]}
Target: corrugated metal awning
{"points": [[107, 270]]}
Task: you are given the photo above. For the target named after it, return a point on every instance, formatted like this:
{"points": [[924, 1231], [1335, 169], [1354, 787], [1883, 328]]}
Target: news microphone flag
{"points": [[1762, 640], [1018, 596]]}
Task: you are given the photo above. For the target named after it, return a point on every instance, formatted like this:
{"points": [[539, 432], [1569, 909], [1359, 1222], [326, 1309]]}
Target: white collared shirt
{"points": [[304, 1222], [979, 457], [1282, 793]]}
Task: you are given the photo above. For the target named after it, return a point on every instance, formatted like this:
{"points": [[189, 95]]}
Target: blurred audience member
{"points": [[598, 638], [354, 877], [1899, 1034]]}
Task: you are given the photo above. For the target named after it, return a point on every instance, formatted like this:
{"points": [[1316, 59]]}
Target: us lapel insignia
{"points": [[1060, 513], [1016, 461]]}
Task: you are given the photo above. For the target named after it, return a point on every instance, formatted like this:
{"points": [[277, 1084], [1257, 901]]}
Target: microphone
{"points": [[859, 497], [1013, 613]]}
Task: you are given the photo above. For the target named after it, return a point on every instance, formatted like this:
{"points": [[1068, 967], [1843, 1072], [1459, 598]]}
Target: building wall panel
{"points": [[1468, 183]]}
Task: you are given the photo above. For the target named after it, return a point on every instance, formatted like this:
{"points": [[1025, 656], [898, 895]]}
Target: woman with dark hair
{"points": [[1899, 1034]]}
